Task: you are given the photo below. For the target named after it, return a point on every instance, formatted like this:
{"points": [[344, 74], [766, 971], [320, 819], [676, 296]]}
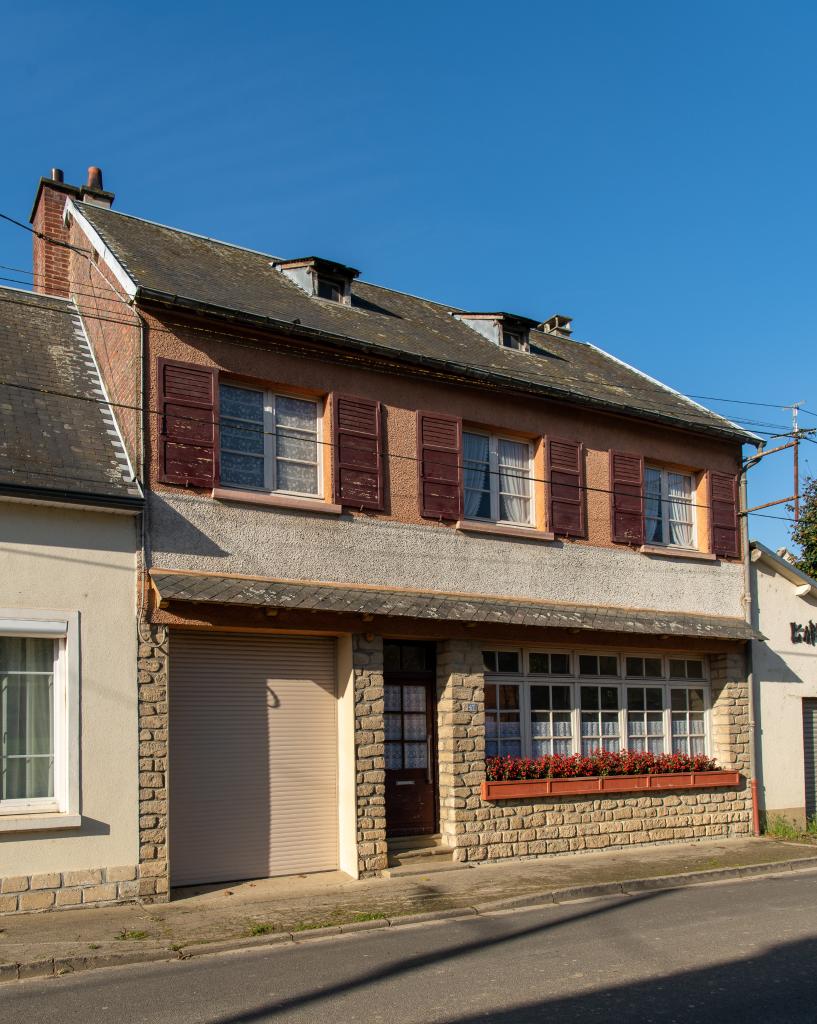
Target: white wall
{"points": [[785, 673], [76, 560]]}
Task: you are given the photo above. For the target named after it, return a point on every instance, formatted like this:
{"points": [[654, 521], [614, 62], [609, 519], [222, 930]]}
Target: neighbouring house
{"points": [[784, 609], [69, 507], [386, 538]]}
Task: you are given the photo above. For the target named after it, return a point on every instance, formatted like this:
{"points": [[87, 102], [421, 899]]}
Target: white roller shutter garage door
{"points": [[253, 756]]}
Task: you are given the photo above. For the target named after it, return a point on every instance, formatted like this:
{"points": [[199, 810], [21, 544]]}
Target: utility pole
{"points": [[795, 433]]}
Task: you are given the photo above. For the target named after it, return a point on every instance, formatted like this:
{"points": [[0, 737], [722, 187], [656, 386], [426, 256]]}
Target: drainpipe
{"points": [[751, 615]]}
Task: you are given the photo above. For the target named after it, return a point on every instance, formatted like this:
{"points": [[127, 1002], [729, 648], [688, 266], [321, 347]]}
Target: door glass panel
{"points": [[394, 756], [414, 727], [391, 696], [416, 755], [392, 724], [414, 698]]}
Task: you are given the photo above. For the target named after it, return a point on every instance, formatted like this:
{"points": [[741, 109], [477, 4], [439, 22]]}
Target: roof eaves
{"points": [[783, 568], [729, 430], [747, 434], [120, 503]]}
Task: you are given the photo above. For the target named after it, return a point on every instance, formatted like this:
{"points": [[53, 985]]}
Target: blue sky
{"points": [[647, 168]]}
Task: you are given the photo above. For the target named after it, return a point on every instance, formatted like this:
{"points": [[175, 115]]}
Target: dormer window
{"points": [[330, 288], [322, 278], [503, 329], [514, 339]]}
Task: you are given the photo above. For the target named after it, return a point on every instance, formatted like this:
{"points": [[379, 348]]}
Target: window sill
{"points": [[47, 820], [277, 501], [501, 530], [670, 552]]}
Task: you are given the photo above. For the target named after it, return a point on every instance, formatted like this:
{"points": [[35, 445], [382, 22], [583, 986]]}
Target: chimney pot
{"points": [[95, 179], [57, 175]]}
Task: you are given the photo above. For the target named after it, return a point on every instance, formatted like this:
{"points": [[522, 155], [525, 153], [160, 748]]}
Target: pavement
{"points": [[731, 952], [286, 910]]}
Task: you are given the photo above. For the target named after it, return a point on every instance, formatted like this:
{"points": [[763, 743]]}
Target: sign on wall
{"points": [[804, 634]]}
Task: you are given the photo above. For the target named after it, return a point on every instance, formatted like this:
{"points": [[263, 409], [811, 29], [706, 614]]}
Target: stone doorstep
{"points": [[58, 966]]}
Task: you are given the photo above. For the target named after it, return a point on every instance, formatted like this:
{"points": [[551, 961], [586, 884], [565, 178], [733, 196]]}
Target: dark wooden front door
{"points": [[411, 806]]}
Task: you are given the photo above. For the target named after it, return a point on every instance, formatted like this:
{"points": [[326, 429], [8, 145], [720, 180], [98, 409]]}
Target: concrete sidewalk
{"points": [[283, 909]]}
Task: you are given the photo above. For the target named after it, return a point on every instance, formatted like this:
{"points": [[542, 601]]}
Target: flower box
{"points": [[609, 785]]}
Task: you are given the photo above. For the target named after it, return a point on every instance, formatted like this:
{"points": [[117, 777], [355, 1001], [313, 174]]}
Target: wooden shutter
{"points": [[358, 475], [188, 400], [439, 465], [627, 498], [566, 473], [723, 501]]}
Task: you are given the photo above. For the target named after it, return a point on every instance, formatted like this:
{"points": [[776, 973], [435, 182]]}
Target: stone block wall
{"points": [[153, 752], [479, 830], [370, 763], [57, 889]]}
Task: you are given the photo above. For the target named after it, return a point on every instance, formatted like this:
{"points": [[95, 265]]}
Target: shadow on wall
{"points": [[173, 533], [89, 827]]}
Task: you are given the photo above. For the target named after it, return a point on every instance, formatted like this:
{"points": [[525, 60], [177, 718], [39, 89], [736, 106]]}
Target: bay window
{"points": [[650, 707], [497, 478], [269, 442], [669, 508]]}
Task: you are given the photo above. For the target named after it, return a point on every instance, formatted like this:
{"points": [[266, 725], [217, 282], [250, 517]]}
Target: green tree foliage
{"points": [[804, 533]]}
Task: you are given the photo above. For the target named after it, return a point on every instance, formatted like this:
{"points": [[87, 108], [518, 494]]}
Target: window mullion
{"points": [[270, 446], [524, 711], [493, 475]]}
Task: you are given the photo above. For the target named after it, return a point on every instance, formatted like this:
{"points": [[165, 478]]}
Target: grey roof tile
{"points": [[61, 439], [177, 265]]}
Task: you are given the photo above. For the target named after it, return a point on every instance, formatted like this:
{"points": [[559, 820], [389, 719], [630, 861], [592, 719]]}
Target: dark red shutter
{"points": [[566, 473], [723, 499], [358, 452], [627, 498], [439, 465], [188, 400]]}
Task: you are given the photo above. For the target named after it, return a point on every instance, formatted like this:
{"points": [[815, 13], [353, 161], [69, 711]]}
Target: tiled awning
{"points": [[342, 598]]}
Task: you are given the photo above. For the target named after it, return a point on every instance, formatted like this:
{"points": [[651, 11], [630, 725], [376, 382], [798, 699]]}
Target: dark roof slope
{"points": [[51, 445], [166, 262]]}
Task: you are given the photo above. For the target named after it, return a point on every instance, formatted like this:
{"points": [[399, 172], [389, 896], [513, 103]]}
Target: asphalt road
{"points": [[733, 952]]}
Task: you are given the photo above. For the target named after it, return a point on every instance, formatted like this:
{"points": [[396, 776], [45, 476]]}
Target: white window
{"points": [[269, 442], [669, 509], [551, 720], [503, 720], [530, 713], [39, 739], [497, 475], [645, 719], [600, 719], [688, 720]]}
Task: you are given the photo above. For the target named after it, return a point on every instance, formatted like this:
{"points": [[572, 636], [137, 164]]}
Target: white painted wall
{"points": [[82, 561], [199, 534], [785, 673]]}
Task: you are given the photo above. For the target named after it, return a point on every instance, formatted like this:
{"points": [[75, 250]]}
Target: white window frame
{"points": [[270, 455], [63, 809], [494, 479], [524, 679], [664, 472]]}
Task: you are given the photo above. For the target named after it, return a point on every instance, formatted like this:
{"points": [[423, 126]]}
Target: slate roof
{"points": [[172, 265], [50, 445], [309, 596]]}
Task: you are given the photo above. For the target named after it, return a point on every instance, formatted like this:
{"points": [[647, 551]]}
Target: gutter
{"points": [[21, 492], [458, 370], [752, 619]]}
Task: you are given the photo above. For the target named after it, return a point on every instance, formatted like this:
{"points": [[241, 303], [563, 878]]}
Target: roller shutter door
{"points": [[253, 756], [810, 754]]}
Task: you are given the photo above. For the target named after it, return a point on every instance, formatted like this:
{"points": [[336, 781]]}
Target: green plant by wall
{"points": [[804, 533]]}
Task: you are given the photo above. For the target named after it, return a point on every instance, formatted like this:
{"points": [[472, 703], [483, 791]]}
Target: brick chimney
{"points": [[51, 261]]}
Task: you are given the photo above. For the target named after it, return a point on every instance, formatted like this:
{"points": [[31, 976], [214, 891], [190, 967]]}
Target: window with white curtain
{"points": [[669, 508], [27, 706], [269, 442], [530, 715], [497, 479]]}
